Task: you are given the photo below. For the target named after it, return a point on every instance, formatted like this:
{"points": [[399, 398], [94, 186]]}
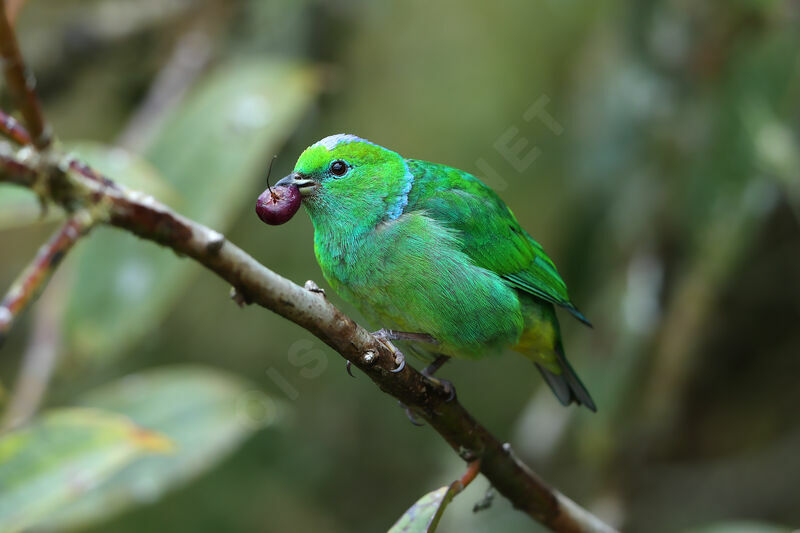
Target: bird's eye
{"points": [[338, 168]]}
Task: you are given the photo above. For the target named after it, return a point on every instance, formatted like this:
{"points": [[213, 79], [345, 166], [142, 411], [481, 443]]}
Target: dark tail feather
{"points": [[567, 386]]}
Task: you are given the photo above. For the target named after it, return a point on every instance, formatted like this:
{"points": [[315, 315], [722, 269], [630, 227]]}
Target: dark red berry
{"points": [[277, 205]]}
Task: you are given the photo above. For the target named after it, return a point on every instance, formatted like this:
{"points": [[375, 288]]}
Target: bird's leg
{"points": [[434, 367], [446, 385], [392, 335]]}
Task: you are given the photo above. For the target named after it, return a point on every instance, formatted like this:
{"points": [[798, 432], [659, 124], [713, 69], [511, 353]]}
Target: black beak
{"points": [[303, 184]]}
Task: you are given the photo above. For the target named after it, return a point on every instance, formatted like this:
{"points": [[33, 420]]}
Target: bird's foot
{"points": [[349, 367], [445, 385], [410, 414], [399, 358]]}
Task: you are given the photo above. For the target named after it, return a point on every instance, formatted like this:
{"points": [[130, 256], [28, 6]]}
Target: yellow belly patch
{"points": [[537, 343], [540, 336]]}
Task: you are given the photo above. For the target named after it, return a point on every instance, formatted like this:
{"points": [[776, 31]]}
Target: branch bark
{"points": [[13, 129], [20, 81], [76, 186]]}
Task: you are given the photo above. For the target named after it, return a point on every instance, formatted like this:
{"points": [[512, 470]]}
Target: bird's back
{"points": [[488, 231]]}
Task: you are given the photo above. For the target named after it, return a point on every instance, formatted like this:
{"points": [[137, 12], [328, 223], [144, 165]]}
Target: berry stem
{"points": [[269, 171]]}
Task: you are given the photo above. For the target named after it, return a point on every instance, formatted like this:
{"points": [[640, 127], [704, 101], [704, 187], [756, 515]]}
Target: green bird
{"points": [[430, 252]]}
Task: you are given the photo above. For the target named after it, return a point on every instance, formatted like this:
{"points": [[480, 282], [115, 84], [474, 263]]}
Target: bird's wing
{"points": [[489, 233]]}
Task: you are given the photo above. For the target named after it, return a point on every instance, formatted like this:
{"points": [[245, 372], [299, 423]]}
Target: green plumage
{"points": [[425, 248]]}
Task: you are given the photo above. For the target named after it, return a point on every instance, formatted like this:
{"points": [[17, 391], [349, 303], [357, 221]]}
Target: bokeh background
{"points": [[650, 146]]}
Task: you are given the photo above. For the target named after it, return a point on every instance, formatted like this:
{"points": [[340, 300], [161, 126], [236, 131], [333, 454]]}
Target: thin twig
{"points": [[16, 169], [13, 7], [30, 283], [469, 476], [147, 218], [191, 55], [13, 130], [39, 359], [21, 83]]}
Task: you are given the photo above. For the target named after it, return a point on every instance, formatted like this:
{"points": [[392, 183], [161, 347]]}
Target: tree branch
{"points": [[39, 359], [15, 168], [76, 186], [35, 276], [13, 129], [20, 81]]}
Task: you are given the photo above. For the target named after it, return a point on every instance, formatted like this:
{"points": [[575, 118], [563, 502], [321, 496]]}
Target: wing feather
{"points": [[489, 233]]}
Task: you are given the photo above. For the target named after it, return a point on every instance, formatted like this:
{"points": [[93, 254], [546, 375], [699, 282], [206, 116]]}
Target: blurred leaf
{"points": [[425, 514], [204, 412], [19, 207], [126, 168], [209, 150], [740, 527], [50, 463]]}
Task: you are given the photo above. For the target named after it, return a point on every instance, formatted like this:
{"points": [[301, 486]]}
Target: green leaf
{"points": [[53, 461], [210, 151], [425, 514], [204, 412], [20, 207], [743, 526]]}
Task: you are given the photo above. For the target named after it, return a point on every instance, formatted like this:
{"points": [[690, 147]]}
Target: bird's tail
{"points": [[567, 386]]}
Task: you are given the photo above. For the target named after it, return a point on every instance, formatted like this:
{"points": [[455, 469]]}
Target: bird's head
{"points": [[345, 176]]}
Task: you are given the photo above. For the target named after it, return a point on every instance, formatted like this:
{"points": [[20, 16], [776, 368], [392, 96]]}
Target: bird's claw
{"points": [[410, 415], [400, 361], [449, 388], [444, 384], [349, 368]]}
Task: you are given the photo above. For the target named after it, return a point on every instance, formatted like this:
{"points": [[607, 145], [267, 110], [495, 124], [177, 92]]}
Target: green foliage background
{"points": [[669, 197]]}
